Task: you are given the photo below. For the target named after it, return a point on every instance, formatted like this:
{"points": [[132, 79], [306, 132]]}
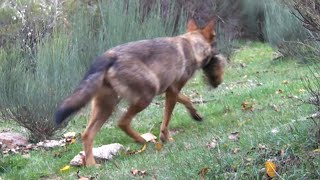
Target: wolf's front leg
{"points": [[171, 99], [188, 104]]}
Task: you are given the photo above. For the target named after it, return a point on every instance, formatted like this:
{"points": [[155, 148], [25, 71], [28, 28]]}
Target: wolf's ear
{"points": [[192, 25], [209, 31]]}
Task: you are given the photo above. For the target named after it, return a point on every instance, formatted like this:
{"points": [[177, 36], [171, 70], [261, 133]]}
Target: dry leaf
{"points": [[316, 150], [203, 172], [270, 169], [149, 137], [136, 172], [285, 82], [262, 147], [138, 151], [212, 144], [282, 152], [302, 90], [158, 146], [70, 137], [243, 65], [247, 106], [279, 91], [248, 160], [83, 177], [235, 150], [235, 136], [66, 168]]}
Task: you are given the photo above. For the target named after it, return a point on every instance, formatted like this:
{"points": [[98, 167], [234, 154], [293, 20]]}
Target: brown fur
{"points": [[137, 72]]}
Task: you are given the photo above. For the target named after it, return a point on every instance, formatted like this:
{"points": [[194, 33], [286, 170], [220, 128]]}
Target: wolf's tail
{"points": [[88, 86]]}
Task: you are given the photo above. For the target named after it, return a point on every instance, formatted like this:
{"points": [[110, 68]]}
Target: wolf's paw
{"points": [[140, 140], [165, 137], [196, 116]]}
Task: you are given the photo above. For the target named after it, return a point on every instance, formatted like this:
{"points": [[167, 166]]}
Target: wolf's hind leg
{"points": [[125, 121], [102, 107]]}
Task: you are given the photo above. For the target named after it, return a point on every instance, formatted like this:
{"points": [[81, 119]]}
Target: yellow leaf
{"points": [[285, 82], [317, 150], [138, 151], [302, 90], [66, 168], [73, 140], [271, 169], [143, 148], [159, 146]]}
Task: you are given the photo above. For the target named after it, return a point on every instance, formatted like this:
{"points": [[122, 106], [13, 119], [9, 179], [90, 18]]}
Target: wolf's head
{"points": [[201, 40], [208, 58]]}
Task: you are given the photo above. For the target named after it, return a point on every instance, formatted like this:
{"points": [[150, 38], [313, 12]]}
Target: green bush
{"points": [[32, 86]]}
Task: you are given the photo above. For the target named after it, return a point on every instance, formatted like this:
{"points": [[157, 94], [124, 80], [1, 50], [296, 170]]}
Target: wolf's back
{"points": [[88, 86]]}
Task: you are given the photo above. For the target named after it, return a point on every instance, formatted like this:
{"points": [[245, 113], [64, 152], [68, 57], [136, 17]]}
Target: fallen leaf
{"points": [[143, 148], [212, 144], [262, 147], [235, 136], [275, 107], [248, 160], [316, 150], [243, 65], [247, 106], [279, 91], [302, 90], [138, 151], [149, 137], [136, 172], [235, 150], [66, 168], [159, 146], [203, 172], [270, 169], [285, 82], [83, 177], [275, 130], [70, 137]]}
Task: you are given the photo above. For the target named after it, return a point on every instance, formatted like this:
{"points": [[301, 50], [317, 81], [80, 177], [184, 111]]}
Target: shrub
{"points": [[32, 86]]}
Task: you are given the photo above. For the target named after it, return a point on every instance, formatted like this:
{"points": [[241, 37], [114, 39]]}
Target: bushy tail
{"points": [[91, 82]]}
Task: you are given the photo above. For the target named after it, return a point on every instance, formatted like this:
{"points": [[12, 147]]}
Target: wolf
{"points": [[137, 72]]}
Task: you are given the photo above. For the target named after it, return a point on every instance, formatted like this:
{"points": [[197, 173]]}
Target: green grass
{"points": [[257, 83]]}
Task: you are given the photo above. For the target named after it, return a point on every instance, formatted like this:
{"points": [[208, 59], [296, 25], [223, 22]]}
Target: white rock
{"points": [[103, 153]]}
